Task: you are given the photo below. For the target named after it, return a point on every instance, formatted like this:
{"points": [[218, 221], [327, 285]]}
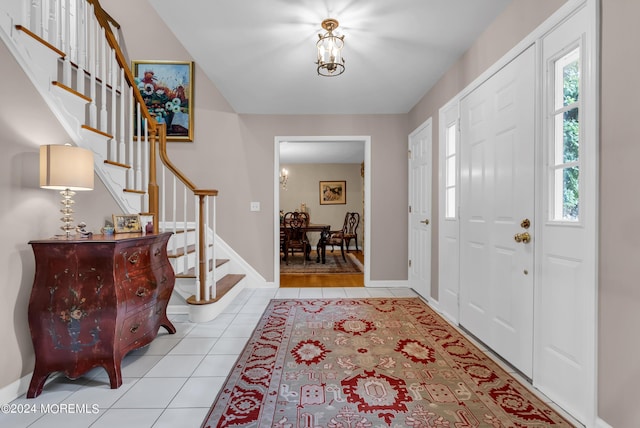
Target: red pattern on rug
{"points": [[356, 363]]}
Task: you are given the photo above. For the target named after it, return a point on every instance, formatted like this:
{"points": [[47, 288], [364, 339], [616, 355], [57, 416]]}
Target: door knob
{"points": [[525, 224], [425, 221], [522, 237]]}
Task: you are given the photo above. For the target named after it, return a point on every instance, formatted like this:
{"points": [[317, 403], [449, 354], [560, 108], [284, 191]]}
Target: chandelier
{"points": [[330, 61]]}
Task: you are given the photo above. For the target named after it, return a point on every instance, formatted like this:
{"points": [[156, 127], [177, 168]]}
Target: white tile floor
{"points": [[173, 381]]}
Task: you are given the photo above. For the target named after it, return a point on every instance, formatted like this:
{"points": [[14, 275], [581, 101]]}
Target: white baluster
{"points": [[139, 130], [147, 154], [35, 10], [114, 103], [81, 12], [92, 65], [138, 166], [66, 42], [199, 295], [126, 94], [51, 28], [103, 80]]}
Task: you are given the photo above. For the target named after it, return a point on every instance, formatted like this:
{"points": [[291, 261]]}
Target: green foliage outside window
{"points": [[571, 131]]}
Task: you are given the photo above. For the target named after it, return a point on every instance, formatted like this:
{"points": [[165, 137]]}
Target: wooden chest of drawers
{"points": [[94, 300]]}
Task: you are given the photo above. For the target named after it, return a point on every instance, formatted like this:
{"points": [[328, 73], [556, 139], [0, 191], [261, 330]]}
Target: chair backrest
{"points": [[293, 222], [351, 222]]}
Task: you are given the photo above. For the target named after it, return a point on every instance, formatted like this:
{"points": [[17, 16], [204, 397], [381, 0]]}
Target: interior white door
{"points": [[420, 169], [497, 201]]}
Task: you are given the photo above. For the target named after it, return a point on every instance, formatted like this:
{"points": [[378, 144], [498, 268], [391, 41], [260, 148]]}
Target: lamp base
{"points": [[67, 204]]}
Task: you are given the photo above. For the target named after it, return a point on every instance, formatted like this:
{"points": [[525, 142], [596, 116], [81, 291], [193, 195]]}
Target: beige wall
{"points": [[303, 187], [26, 211], [619, 318], [235, 153]]}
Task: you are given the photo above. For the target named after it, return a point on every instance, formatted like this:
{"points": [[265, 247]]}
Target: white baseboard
{"points": [[15, 389], [19, 387], [602, 424], [388, 284]]}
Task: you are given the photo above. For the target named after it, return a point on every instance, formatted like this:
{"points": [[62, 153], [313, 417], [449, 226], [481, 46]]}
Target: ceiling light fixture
{"points": [[330, 61]]}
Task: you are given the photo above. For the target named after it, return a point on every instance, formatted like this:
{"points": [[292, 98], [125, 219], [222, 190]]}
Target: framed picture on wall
{"points": [[333, 192], [167, 90]]}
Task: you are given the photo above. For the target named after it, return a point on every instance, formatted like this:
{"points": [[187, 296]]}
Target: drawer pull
{"points": [[134, 328], [141, 292], [133, 258], [164, 279], [157, 252]]}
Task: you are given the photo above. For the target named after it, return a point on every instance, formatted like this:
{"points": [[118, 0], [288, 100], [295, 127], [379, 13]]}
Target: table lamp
{"points": [[68, 169]]}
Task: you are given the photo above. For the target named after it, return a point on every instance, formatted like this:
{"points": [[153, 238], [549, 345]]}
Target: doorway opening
{"points": [[312, 161]]}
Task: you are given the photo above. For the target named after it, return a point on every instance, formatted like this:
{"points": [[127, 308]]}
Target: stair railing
{"points": [[94, 67]]}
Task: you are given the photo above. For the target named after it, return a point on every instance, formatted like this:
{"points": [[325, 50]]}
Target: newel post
{"points": [[154, 200]]}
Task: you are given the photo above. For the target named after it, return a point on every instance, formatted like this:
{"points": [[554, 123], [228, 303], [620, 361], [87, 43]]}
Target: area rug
{"points": [[334, 264], [356, 363]]}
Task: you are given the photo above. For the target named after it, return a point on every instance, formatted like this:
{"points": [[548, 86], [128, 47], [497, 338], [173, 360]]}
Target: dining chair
{"points": [[348, 232], [294, 227]]}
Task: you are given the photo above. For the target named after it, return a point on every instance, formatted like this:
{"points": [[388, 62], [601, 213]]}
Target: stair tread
{"points": [[179, 252], [223, 286], [191, 273]]}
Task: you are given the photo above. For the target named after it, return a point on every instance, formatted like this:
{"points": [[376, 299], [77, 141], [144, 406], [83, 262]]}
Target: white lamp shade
{"points": [[66, 167]]}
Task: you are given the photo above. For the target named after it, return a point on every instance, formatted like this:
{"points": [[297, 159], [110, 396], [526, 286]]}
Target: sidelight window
{"points": [[451, 172], [565, 153]]}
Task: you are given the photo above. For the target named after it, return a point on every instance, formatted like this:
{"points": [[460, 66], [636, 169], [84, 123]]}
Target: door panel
{"points": [[497, 193], [420, 170]]}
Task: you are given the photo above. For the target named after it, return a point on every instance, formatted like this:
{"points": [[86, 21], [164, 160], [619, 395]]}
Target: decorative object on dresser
{"points": [[94, 300], [68, 169]]}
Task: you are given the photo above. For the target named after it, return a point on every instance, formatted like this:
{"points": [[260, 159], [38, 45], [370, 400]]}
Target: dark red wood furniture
{"points": [[94, 300]]}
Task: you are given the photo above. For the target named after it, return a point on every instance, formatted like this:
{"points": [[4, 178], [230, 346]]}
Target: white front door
{"points": [[420, 169], [497, 203]]}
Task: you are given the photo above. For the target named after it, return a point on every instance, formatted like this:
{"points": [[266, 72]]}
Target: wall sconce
{"points": [[330, 62], [68, 169], [284, 177]]}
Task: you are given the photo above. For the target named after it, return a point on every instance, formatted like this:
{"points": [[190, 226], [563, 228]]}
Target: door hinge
{"points": [[409, 154], [409, 209], [409, 262]]}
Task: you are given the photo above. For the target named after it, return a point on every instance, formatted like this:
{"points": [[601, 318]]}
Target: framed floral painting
{"points": [[167, 90]]}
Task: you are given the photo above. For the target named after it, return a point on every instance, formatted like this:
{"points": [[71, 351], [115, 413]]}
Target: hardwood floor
{"points": [[325, 280]]}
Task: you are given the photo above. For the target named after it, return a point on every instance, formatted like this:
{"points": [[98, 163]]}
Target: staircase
{"points": [[70, 50]]}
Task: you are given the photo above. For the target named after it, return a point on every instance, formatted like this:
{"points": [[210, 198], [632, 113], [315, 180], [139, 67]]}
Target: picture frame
{"points": [[167, 90], [333, 192], [127, 223]]}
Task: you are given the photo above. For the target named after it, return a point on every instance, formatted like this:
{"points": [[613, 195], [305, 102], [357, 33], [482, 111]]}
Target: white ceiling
{"points": [[321, 152], [260, 54]]}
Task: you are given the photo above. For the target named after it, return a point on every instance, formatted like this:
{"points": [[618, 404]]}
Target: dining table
{"points": [[320, 246]]}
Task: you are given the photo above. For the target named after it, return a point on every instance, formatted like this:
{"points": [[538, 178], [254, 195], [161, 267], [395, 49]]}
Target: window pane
{"points": [[571, 135], [567, 79], [567, 208], [571, 79], [567, 135], [451, 171], [450, 209], [451, 140]]}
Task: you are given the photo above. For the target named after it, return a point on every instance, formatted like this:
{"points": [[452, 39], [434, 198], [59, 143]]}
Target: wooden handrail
{"points": [[158, 129], [156, 132]]}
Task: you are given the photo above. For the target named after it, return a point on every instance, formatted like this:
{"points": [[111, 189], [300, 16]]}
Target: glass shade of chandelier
{"points": [[330, 61]]}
